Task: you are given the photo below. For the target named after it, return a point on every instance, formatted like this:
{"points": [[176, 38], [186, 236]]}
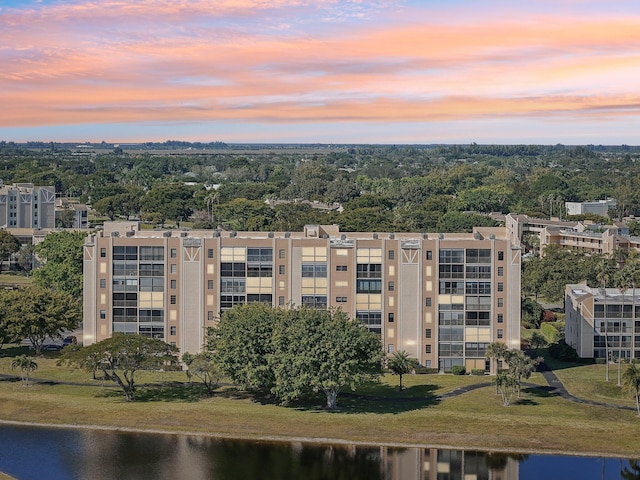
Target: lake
{"points": [[37, 453]]}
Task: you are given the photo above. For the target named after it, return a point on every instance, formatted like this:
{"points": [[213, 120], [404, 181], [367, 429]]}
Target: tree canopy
{"points": [[120, 357], [62, 256]]}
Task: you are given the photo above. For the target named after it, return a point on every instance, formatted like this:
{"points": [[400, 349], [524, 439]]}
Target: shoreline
{"points": [[314, 441]]}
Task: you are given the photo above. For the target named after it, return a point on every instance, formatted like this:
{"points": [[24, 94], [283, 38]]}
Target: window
{"points": [[369, 270], [500, 333], [428, 301], [500, 271], [172, 330], [390, 348], [281, 253], [314, 301], [281, 301], [103, 252], [500, 318], [151, 253], [392, 254], [210, 253], [478, 255], [174, 268], [341, 268], [103, 283], [500, 302], [500, 287], [209, 284], [174, 253], [427, 349], [391, 286], [173, 284], [210, 315], [391, 317], [500, 255], [103, 314], [341, 299], [429, 255], [428, 333], [236, 269], [281, 269], [368, 286], [314, 270], [371, 320], [172, 300]]}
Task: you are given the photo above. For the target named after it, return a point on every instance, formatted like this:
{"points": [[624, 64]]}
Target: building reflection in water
{"points": [[438, 464]]}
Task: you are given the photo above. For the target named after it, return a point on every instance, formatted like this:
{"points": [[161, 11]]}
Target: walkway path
{"points": [[558, 387]]}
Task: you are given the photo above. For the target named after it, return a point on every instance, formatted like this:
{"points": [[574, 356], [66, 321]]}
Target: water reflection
{"points": [[37, 453]]}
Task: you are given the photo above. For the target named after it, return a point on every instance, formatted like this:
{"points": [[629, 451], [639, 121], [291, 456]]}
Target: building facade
{"points": [[23, 205], [440, 297], [603, 322], [596, 207]]}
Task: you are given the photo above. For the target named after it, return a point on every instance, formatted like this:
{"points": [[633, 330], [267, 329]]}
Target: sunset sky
{"points": [[355, 71]]}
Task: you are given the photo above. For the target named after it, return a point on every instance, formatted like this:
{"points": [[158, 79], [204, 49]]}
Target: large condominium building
{"points": [[440, 297], [24, 206], [601, 321]]}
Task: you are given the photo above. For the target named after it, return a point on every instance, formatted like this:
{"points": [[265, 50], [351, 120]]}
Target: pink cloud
{"points": [[162, 60]]}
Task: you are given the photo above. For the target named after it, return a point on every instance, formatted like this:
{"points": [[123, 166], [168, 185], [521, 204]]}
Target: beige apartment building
{"points": [[601, 321], [442, 297]]}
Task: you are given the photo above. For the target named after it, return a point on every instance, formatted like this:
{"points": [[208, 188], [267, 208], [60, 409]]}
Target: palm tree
{"points": [[26, 366], [401, 363], [631, 380], [505, 385], [520, 367], [627, 277], [496, 351], [604, 275]]}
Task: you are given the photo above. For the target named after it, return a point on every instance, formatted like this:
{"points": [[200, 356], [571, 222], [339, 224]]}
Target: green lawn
{"points": [[378, 413]]}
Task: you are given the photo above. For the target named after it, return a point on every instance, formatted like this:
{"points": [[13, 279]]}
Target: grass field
{"points": [[378, 413]]}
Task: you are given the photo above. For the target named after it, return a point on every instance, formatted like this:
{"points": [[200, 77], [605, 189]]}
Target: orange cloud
{"points": [[127, 62]]}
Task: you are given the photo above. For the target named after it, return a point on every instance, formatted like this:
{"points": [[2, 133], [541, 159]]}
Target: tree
{"points": [[6, 332], [605, 271], [26, 257], [322, 351], [505, 385], [204, 366], [26, 365], [401, 363], [496, 351], [62, 270], [520, 367], [631, 381], [8, 246], [172, 201], [121, 356], [537, 341], [39, 313], [242, 342]]}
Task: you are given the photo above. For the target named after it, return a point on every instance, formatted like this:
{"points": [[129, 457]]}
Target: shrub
{"points": [[458, 370], [425, 370], [600, 361], [563, 352], [477, 371], [548, 316]]}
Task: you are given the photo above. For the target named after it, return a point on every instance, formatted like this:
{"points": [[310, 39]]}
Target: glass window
{"points": [[500, 333], [210, 253], [428, 301], [174, 268], [209, 284], [427, 348], [392, 254], [172, 299], [341, 299], [429, 255], [103, 283], [281, 301], [103, 314], [500, 287], [103, 252], [314, 301], [391, 317], [428, 333], [314, 270], [173, 284], [391, 286], [500, 255], [210, 315], [500, 318], [172, 330], [174, 253], [281, 269], [341, 268], [500, 271], [281, 253]]}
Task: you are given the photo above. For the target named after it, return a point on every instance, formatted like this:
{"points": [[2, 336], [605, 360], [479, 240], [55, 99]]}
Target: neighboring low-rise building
{"points": [[23, 205], [441, 297], [603, 320], [595, 207]]}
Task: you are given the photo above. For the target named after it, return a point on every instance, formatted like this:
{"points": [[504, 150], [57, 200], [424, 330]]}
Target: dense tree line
{"points": [[397, 188]]}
